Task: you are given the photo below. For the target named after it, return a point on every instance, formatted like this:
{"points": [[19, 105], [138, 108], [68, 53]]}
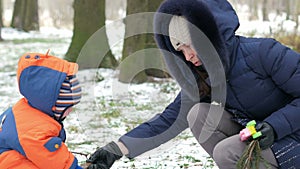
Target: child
{"points": [[31, 132]]}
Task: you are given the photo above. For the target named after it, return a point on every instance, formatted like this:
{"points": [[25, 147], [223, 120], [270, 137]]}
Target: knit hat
{"points": [[179, 32], [69, 95]]}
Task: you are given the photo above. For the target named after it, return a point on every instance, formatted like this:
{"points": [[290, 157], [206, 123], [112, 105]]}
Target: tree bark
{"points": [[89, 17], [288, 10], [150, 43], [1, 21], [18, 14], [265, 10], [31, 21], [133, 44], [140, 42], [25, 15], [253, 10], [296, 15]]}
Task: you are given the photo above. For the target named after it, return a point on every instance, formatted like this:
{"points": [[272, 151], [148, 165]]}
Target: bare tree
{"points": [[25, 15], [89, 17], [133, 44], [253, 10], [1, 22], [288, 10], [296, 12], [150, 43], [139, 43], [265, 10]]}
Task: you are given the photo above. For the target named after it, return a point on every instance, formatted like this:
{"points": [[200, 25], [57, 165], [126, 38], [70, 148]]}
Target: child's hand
{"points": [[85, 165]]}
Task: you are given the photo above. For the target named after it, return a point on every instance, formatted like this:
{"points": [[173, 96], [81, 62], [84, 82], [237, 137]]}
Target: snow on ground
{"points": [[115, 113], [109, 108]]}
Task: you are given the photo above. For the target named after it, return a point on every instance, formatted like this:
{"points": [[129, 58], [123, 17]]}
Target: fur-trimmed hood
{"points": [[216, 19]]}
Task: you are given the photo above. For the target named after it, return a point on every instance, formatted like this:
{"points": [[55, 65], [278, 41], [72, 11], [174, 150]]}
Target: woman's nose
{"points": [[188, 56]]}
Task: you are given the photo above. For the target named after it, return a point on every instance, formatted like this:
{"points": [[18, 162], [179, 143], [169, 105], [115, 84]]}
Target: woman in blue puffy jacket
{"points": [[226, 81]]}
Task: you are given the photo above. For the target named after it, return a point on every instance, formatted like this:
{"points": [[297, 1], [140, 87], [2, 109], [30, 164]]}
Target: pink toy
{"points": [[249, 131], [245, 134]]}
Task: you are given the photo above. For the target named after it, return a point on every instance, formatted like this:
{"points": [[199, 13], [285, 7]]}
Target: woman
{"points": [[261, 78]]}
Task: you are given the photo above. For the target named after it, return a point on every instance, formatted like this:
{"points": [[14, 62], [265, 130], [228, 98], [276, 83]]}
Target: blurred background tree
{"points": [[1, 21], [25, 16], [139, 42], [86, 17], [89, 16]]}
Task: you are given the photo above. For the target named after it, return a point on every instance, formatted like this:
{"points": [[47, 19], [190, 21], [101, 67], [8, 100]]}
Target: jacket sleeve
{"points": [[46, 150], [283, 65], [160, 129]]}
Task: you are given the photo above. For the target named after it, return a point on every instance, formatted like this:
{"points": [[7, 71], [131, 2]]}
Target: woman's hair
{"points": [[204, 88]]}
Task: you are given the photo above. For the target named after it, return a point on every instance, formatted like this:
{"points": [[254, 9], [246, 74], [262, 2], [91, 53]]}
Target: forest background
{"points": [[84, 18]]}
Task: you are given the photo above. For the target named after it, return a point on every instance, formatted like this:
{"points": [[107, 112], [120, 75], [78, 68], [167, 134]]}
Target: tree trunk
{"points": [[150, 43], [89, 17], [297, 13], [253, 10], [137, 43], [1, 21], [133, 44], [18, 14], [31, 16], [265, 10], [25, 15], [288, 10]]}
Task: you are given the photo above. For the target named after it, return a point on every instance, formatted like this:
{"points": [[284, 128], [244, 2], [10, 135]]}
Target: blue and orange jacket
{"points": [[30, 138]]}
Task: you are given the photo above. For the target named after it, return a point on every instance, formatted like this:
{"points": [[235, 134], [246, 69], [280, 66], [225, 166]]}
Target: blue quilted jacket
{"points": [[262, 80]]}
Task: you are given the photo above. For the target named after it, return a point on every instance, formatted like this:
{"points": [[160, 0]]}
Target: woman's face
{"points": [[190, 54]]}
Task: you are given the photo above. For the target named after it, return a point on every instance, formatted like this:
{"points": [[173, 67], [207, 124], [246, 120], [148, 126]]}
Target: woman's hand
{"points": [[104, 157], [268, 136]]}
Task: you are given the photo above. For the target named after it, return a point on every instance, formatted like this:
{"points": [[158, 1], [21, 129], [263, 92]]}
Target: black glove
{"points": [[104, 157], [268, 135]]}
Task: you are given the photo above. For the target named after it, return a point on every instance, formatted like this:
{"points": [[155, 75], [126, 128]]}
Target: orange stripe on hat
{"points": [[45, 60]]}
